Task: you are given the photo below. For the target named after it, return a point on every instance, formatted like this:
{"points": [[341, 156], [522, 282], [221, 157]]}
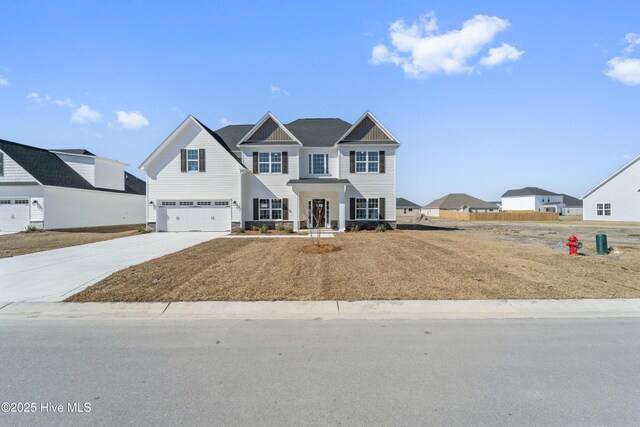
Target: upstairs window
{"points": [[367, 161], [318, 164], [193, 160], [270, 162]]}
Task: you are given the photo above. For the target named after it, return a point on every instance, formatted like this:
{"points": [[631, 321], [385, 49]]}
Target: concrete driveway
{"points": [[55, 275]]}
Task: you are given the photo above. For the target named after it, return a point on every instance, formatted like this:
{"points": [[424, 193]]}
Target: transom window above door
{"points": [[270, 162], [319, 164], [367, 161]]}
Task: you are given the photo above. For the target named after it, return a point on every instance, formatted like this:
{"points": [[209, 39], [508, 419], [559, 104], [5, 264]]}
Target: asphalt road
{"points": [[341, 372]]}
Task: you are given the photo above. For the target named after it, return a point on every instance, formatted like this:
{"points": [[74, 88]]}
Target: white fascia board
{"points": [[167, 141], [261, 122], [375, 120], [610, 177]]}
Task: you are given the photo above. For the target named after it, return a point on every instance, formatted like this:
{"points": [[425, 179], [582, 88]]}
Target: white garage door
{"points": [[14, 214], [194, 215]]}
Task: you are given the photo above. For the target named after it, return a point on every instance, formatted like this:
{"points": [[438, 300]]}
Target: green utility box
{"points": [[601, 244]]}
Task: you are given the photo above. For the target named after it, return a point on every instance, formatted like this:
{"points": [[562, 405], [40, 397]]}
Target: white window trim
{"points": [[270, 162], [312, 170], [603, 209], [197, 159], [367, 162], [271, 209], [366, 209]]}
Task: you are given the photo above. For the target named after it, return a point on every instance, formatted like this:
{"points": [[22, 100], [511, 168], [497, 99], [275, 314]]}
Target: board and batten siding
{"points": [[371, 185], [268, 185], [13, 172], [72, 208], [622, 192], [367, 130], [269, 131], [166, 181]]}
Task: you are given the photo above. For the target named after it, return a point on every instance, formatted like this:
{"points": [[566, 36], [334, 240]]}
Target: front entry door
{"points": [[318, 213]]}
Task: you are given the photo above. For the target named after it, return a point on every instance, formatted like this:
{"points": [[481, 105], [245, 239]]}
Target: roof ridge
{"points": [[25, 145]]}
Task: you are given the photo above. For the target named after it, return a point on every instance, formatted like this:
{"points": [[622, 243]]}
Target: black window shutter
{"points": [[255, 209], [285, 162], [352, 208], [352, 162], [382, 162], [202, 160], [381, 207], [255, 162], [285, 209], [183, 160]]}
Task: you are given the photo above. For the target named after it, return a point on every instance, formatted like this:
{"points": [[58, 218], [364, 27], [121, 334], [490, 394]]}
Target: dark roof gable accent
{"points": [[529, 191], [367, 130], [269, 131], [134, 185]]}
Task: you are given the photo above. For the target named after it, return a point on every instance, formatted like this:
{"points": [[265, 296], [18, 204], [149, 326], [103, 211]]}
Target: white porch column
{"points": [[296, 210], [342, 213]]}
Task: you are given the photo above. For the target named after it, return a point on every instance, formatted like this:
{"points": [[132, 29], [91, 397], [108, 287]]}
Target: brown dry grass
{"points": [[26, 243], [401, 265]]}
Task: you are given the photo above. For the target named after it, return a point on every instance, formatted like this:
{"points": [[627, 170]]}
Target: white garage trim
{"points": [[194, 215]]}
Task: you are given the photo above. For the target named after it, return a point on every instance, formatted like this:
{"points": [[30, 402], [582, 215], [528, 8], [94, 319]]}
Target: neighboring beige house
{"points": [[458, 202], [406, 210]]}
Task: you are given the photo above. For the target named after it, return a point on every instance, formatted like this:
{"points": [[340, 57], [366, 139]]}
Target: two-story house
{"points": [[67, 188], [318, 173]]}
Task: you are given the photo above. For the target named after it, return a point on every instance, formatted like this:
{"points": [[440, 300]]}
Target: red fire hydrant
{"points": [[573, 244]]}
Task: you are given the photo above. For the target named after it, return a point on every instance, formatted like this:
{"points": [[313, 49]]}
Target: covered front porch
{"points": [[321, 203]]}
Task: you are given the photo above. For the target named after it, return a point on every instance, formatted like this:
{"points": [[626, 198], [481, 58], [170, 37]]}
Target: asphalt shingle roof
{"points": [[318, 181], [310, 132], [571, 202], [401, 202], [75, 151], [459, 200], [529, 191], [49, 169]]}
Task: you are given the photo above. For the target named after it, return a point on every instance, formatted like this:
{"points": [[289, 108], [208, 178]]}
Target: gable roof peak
{"points": [[368, 114]]}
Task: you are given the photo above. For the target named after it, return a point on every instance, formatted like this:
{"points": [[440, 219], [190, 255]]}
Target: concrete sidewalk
{"points": [[56, 274], [474, 309]]}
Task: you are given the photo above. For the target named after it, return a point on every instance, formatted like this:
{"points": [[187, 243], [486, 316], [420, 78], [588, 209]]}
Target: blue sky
{"points": [[537, 110]]}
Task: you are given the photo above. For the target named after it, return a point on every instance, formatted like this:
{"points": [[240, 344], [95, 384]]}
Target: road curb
{"points": [[439, 309]]}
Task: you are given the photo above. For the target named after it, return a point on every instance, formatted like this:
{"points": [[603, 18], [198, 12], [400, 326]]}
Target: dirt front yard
{"points": [[413, 264], [26, 243]]}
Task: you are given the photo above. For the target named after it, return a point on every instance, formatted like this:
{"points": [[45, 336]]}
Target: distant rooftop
{"points": [[529, 191]]}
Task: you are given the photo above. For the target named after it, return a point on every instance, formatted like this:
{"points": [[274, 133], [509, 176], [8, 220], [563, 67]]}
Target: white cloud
{"points": [[632, 40], [64, 103], [226, 122], [624, 70], [498, 55], [4, 81], [279, 90], [40, 100], [132, 120], [420, 49], [85, 114]]}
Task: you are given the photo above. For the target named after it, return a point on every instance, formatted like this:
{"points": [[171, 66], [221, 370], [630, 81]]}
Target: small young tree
{"points": [[313, 217]]}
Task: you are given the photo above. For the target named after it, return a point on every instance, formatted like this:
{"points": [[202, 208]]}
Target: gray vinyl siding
{"points": [[367, 130]]}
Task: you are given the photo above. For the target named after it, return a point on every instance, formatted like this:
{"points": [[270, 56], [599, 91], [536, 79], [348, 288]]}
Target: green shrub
{"points": [[255, 228], [280, 227], [381, 227], [288, 230], [32, 229], [355, 228], [239, 230], [143, 229], [264, 229]]}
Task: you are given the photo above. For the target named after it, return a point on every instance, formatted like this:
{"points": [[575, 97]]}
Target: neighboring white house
{"points": [[532, 199], [572, 205], [617, 198], [406, 209], [458, 202], [65, 189], [323, 173]]}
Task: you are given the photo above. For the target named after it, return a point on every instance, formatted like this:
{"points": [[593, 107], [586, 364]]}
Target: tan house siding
{"points": [[367, 130], [270, 131]]}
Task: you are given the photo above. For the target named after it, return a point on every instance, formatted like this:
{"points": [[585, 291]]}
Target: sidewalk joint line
{"points": [[9, 303], [338, 306], [165, 309]]}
